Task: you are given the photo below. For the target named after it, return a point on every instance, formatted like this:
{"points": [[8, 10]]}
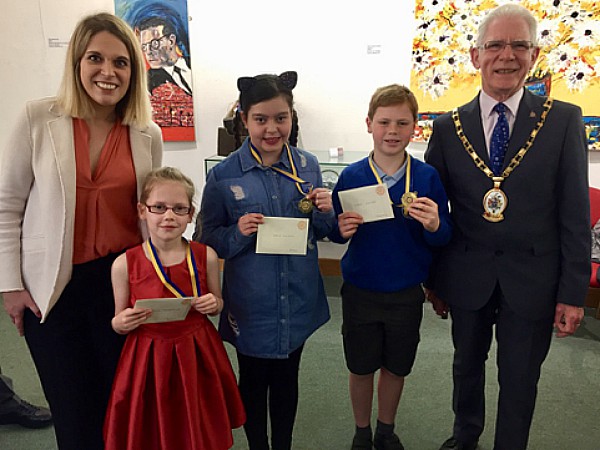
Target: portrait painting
{"points": [[162, 28]]}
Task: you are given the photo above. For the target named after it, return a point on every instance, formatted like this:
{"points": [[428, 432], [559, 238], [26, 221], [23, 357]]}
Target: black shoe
{"points": [[454, 444], [28, 416], [360, 443], [387, 442]]}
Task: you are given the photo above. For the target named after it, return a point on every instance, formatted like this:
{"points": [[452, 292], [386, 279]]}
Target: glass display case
{"points": [[331, 167]]}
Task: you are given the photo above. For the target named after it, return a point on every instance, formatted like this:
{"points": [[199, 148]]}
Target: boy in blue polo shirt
{"points": [[385, 264]]}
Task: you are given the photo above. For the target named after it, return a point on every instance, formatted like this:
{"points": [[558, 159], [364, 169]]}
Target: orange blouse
{"points": [[106, 218]]}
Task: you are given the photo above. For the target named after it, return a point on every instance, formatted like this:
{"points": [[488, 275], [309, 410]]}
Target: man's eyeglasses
{"points": [[499, 46], [179, 210], [154, 44]]}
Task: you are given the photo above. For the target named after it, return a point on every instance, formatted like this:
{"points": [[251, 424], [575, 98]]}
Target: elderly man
{"points": [[515, 169]]}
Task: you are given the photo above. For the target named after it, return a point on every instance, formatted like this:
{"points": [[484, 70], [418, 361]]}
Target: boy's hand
{"points": [[348, 223], [425, 211], [129, 319], [321, 198]]}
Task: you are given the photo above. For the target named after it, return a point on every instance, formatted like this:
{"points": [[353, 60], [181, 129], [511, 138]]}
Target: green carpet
{"points": [[566, 416]]}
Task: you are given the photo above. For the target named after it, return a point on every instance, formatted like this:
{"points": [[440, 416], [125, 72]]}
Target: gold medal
{"points": [[406, 200], [495, 202], [409, 196], [305, 205]]}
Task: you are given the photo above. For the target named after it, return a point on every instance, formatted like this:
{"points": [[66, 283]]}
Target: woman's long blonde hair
{"points": [[134, 108]]}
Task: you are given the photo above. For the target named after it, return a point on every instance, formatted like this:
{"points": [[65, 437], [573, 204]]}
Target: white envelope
{"points": [[165, 309], [371, 202], [282, 236]]}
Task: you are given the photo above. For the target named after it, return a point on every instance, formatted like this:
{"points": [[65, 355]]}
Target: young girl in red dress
{"points": [[174, 387]]}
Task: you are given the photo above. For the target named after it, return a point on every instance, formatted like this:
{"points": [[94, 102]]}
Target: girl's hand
{"points": [[348, 223], [129, 319], [321, 198], [208, 304], [425, 211], [248, 223]]}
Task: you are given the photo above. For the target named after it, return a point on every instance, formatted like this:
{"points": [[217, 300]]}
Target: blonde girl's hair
{"points": [[134, 108], [162, 175]]}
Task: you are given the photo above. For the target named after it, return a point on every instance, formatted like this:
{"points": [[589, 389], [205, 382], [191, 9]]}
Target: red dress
{"points": [[174, 387]]}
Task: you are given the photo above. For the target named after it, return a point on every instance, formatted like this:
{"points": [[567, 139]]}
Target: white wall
{"points": [[324, 41]]}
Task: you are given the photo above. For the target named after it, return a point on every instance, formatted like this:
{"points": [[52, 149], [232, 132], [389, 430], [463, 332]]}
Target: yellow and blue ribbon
{"points": [[290, 176], [407, 177], [164, 278]]}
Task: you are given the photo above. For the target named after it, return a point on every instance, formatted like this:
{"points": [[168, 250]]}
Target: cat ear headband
{"points": [[288, 79]]}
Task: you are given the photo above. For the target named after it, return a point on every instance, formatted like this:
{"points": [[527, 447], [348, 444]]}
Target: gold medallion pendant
{"points": [[406, 200], [305, 205], [495, 200], [494, 203]]}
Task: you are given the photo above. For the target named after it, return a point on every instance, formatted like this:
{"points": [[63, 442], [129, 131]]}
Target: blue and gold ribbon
{"points": [[290, 176], [407, 178], [164, 278]]}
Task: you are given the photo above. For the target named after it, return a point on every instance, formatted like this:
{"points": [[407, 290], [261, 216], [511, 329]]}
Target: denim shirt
{"points": [[273, 303]]}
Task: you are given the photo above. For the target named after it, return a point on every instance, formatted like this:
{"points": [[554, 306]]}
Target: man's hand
{"points": [[567, 319], [439, 306]]}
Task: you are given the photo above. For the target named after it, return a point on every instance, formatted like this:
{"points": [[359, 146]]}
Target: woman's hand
{"points": [[15, 303], [129, 319], [208, 304]]}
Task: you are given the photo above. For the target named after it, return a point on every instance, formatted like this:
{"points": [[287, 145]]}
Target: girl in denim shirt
{"points": [[273, 302]]}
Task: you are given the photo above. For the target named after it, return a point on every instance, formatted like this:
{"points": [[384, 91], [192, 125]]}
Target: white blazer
{"points": [[37, 199]]}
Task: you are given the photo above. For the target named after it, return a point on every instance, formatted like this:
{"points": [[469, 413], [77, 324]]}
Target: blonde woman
{"points": [[69, 182]]}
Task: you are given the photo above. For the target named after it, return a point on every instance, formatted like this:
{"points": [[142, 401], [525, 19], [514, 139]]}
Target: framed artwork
{"points": [[162, 28], [568, 67]]}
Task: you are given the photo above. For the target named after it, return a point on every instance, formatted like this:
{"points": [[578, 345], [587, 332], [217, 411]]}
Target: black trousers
{"points": [[76, 352], [522, 347], [275, 380]]}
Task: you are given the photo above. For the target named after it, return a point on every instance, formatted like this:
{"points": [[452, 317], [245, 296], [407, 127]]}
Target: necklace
{"points": [[305, 205], [495, 200], [409, 196]]}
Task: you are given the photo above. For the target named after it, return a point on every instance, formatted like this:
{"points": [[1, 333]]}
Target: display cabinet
{"points": [[330, 167]]}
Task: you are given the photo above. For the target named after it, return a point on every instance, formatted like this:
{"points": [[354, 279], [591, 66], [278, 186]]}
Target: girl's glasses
{"points": [[162, 209]]}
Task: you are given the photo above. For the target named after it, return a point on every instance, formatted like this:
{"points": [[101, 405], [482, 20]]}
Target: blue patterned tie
{"points": [[499, 142]]}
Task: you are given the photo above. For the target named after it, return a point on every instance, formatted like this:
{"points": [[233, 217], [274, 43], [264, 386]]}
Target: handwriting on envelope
{"points": [[165, 309], [282, 236], [371, 202]]}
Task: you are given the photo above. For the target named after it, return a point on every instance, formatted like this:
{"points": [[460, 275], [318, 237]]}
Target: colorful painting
{"points": [[162, 28], [568, 67]]}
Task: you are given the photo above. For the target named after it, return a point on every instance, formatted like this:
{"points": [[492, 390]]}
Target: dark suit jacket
{"points": [[158, 77], [540, 252]]}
